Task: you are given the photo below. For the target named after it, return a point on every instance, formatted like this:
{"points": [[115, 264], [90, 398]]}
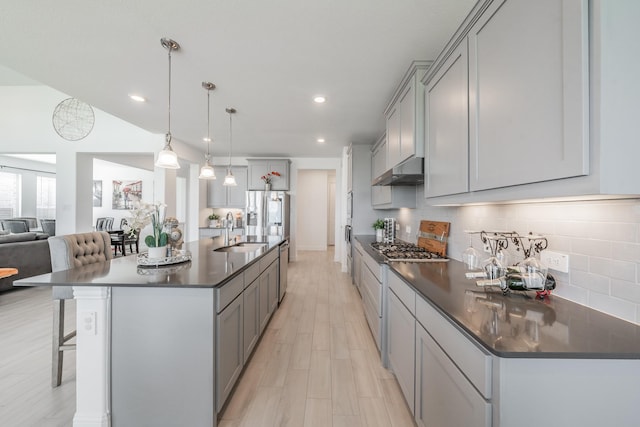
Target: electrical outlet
{"points": [[407, 229], [88, 323], [555, 261], [487, 248]]}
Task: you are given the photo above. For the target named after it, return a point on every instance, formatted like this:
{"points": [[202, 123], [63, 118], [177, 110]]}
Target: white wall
{"points": [[25, 119], [312, 202], [107, 172], [301, 164]]}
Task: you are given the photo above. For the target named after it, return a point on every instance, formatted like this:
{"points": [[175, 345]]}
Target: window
{"points": [[9, 195], [46, 197]]}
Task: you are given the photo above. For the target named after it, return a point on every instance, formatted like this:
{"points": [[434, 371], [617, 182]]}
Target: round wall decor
{"points": [[73, 119]]}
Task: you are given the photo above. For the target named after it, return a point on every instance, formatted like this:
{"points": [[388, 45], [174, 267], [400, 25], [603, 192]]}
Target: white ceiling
{"points": [[267, 58]]}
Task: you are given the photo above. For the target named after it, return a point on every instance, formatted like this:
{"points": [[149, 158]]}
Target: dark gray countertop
{"points": [[207, 268], [517, 324]]}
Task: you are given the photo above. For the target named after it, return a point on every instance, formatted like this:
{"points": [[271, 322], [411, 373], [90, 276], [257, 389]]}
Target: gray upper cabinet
{"points": [[260, 167], [388, 197], [528, 93], [507, 106], [220, 196], [447, 123], [404, 115]]}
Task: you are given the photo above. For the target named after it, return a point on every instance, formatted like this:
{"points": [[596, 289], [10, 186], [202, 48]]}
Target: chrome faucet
{"points": [[229, 227]]}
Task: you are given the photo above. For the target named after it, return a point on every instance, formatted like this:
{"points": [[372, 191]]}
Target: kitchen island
{"points": [[465, 355], [164, 346]]}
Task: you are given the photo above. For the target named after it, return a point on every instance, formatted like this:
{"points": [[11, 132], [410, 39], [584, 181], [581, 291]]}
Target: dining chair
{"points": [[68, 252], [100, 224], [131, 239], [48, 226], [104, 223]]}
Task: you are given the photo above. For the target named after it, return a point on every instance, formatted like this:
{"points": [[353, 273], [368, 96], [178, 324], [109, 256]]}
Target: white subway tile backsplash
{"points": [[615, 306], [600, 266], [602, 239], [591, 282], [615, 232], [579, 262], [573, 228], [597, 248], [623, 270], [571, 292], [625, 251], [629, 291]]}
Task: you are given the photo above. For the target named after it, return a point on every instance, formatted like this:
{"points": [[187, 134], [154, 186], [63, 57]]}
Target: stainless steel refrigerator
{"points": [[267, 213]]}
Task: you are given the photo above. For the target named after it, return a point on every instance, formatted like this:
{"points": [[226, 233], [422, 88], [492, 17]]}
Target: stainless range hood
{"points": [[409, 172]]}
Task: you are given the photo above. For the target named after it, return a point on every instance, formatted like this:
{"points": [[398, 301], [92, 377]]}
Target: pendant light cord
{"points": [[208, 121], [230, 138], [169, 106]]}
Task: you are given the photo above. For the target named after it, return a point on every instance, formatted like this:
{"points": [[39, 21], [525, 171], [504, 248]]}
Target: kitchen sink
{"points": [[242, 247]]}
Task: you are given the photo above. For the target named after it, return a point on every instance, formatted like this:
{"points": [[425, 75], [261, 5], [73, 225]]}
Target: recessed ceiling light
{"points": [[319, 99], [137, 98], [320, 140]]}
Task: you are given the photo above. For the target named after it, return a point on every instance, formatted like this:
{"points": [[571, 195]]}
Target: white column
{"points": [[93, 374]]}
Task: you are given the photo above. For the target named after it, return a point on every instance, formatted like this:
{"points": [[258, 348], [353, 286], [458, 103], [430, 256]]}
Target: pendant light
{"points": [[206, 171], [167, 158], [230, 180]]}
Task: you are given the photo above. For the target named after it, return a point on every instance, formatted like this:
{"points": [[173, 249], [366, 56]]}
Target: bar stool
{"points": [[67, 252]]}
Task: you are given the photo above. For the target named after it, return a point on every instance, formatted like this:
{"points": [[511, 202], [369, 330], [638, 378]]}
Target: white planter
{"points": [[213, 223], [155, 253], [379, 235]]}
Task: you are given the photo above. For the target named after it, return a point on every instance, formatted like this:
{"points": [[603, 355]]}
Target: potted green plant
{"points": [[214, 220], [378, 226]]}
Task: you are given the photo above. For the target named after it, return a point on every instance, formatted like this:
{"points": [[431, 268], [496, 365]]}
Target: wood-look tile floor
{"points": [[26, 396], [316, 364]]}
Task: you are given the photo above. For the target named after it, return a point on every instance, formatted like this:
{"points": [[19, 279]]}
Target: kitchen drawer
{"points": [[465, 354], [251, 273], [371, 287], [268, 258], [228, 292], [404, 292], [373, 317], [374, 266]]}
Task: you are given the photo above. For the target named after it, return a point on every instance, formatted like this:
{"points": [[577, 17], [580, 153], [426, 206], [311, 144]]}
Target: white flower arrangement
{"points": [[144, 214]]}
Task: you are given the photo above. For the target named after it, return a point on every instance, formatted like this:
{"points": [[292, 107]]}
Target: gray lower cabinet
{"points": [[230, 345], [273, 287], [401, 353], [268, 294], [357, 264], [444, 397], [371, 290], [251, 318]]}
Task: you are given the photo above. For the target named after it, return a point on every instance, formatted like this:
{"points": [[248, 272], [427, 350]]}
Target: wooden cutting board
{"points": [[434, 236]]}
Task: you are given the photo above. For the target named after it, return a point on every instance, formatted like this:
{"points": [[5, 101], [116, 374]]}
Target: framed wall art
{"points": [[125, 193]]}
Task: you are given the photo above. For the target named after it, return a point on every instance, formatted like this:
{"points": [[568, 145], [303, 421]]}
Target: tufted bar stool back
{"points": [[67, 252]]}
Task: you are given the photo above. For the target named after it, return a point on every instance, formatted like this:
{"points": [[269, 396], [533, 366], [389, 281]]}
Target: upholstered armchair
{"points": [[68, 252]]}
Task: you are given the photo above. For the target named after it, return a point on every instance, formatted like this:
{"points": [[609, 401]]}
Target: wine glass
{"points": [[494, 268], [471, 256], [534, 273]]}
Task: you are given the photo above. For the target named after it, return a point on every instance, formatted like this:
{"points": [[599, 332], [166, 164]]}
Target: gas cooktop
{"points": [[408, 252]]}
